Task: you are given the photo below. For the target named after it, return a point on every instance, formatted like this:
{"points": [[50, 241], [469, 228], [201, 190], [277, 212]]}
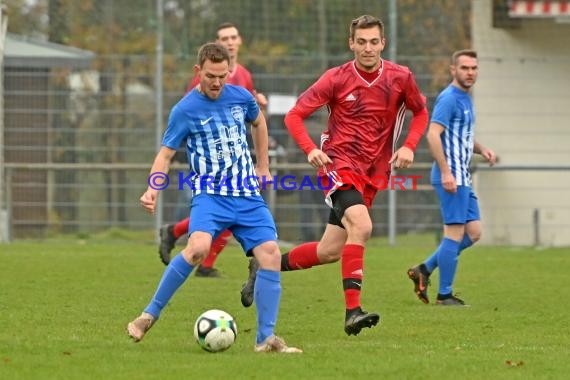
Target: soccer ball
{"points": [[215, 330]]}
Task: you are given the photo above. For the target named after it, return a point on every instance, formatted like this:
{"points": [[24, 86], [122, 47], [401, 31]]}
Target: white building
{"points": [[522, 101]]}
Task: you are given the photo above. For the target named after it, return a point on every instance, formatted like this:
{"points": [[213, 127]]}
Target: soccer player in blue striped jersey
{"points": [[451, 139], [212, 120]]}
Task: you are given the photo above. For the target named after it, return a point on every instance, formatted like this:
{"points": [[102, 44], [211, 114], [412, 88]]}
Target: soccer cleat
{"points": [[140, 326], [421, 282], [276, 344], [449, 300], [202, 271], [167, 243], [248, 287], [357, 319]]}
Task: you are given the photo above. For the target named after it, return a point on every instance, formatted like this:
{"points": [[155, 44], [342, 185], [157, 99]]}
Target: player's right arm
{"points": [[176, 131], [160, 165], [316, 96], [436, 148]]}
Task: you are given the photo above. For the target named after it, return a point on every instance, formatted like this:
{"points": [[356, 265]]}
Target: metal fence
{"points": [[51, 199], [78, 145]]}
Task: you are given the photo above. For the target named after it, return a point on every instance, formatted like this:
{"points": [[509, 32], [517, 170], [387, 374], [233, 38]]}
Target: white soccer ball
{"points": [[215, 330]]}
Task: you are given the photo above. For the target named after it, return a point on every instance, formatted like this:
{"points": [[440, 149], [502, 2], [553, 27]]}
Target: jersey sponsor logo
{"points": [[350, 98], [204, 122], [237, 113], [230, 143]]}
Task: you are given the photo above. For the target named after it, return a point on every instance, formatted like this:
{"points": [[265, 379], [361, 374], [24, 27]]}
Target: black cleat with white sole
{"points": [[357, 319]]}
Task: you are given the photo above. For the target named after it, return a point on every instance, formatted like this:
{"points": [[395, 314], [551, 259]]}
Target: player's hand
{"points": [[448, 182], [261, 100], [318, 159], [402, 158], [148, 201], [489, 155], [263, 174]]}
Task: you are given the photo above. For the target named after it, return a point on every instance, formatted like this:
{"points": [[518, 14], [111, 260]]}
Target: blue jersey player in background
{"points": [[452, 144], [212, 120]]}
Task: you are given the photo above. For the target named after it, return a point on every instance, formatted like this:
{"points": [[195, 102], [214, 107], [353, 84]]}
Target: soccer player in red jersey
{"points": [[228, 36], [367, 99]]}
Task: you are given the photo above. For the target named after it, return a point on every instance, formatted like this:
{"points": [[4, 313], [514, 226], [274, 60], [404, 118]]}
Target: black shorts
{"points": [[343, 199]]}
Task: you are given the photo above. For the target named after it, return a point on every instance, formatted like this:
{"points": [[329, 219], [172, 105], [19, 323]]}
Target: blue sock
{"points": [[266, 293], [431, 262], [447, 262], [465, 243], [174, 275]]}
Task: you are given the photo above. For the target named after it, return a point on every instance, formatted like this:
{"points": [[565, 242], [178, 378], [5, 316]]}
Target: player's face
{"points": [[465, 72], [230, 39], [212, 78], [367, 46]]}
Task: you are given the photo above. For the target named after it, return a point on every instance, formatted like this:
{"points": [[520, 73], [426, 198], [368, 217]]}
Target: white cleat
{"points": [[139, 327], [276, 344]]}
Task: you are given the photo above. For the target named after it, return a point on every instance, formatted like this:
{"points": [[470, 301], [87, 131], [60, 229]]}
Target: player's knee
{"points": [[364, 229], [329, 254], [473, 230], [197, 249], [268, 255], [359, 229], [193, 256], [475, 236]]}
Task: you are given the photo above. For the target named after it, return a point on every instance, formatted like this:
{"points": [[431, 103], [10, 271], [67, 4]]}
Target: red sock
{"points": [[303, 256], [181, 228], [352, 263], [217, 246]]}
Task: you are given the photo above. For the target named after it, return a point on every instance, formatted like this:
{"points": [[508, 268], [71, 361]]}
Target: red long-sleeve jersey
{"points": [[365, 118]]}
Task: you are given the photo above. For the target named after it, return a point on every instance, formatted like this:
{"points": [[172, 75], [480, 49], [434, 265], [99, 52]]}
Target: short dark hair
{"points": [[459, 53], [226, 25], [366, 22], [212, 52]]}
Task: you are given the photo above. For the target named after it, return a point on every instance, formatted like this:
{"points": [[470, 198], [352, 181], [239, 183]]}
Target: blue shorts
{"points": [[248, 218], [458, 208]]}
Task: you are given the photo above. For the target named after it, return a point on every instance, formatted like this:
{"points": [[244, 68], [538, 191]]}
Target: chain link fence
{"points": [[79, 129], [79, 145]]}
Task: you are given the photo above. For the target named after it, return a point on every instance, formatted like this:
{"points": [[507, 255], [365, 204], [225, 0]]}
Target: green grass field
{"points": [[64, 305]]}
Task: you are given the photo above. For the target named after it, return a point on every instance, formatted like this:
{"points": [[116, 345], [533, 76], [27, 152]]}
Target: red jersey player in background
{"points": [[367, 98], [227, 35]]}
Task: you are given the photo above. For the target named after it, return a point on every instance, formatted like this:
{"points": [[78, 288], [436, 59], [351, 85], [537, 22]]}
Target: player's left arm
{"points": [[404, 157], [261, 100], [487, 153], [259, 97], [260, 138], [416, 102]]}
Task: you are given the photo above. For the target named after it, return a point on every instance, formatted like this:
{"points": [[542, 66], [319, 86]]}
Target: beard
{"points": [[465, 83]]}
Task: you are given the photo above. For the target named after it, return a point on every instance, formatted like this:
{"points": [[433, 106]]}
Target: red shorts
{"points": [[343, 180]]}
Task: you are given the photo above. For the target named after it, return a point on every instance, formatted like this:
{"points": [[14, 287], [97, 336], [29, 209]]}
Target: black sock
{"points": [[424, 270], [285, 262], [349, 312]]}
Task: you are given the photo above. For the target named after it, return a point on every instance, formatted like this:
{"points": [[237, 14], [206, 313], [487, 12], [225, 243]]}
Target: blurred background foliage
{"points": [[291, 29]]}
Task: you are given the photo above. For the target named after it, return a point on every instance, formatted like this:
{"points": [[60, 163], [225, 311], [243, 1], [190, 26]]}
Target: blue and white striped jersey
{"points": [[215, 133], [453, 110]]}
